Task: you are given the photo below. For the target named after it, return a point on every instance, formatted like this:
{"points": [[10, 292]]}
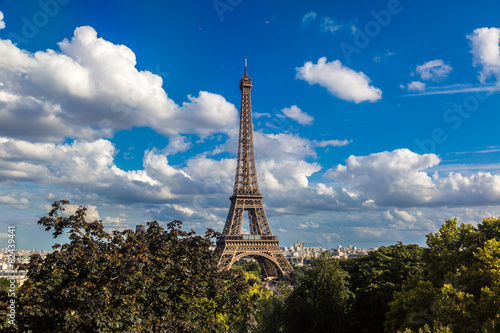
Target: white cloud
{"points": [[434, 70], [281, 146], [454, 89], [90, 89], [341, 81], [211, 171], [416, 86], [384, 57], [88, 167], [91, 214], [260, 115], [486, 53], [389, 178], [16, 202], [2, 23], [329, 25], [402, 178], [308, 225], [119, 222], [177, 144], [308, 18], [332, 143], [481, 188], [295, 113], [285, 176], [404, 215]]}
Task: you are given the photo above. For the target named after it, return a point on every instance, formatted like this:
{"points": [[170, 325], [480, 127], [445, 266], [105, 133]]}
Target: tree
{"points": [[374, 279], [271, 316], [247, 266], [299, 273], [5, 284], [344, 295], [154, 281], [459, 288], [322, 302]]}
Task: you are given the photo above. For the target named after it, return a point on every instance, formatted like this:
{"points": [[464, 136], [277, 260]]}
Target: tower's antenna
{"points": [[245, 65]]}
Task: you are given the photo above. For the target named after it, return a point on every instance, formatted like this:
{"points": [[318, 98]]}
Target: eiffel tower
{"points": [[260, 244]]}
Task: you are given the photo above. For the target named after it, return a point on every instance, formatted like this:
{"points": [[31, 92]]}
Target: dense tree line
{"points": [[453, 285], [345, 295], [166, 280], [459, 288]]}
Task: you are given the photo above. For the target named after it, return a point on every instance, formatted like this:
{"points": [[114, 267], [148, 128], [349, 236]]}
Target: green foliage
{"points": [[247, 266], [429, 329], [271, 315], [374, 279], [322, 302], [411, 307], [5, 284], [299, 273], [459, 288], [244, 319], [343, 296], [156, 281], [166, 280]]}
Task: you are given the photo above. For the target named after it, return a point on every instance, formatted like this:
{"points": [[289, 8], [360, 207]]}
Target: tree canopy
{"points": [[166, 280], [459, 288], [322, 301], [374, 279], [160, 280]]}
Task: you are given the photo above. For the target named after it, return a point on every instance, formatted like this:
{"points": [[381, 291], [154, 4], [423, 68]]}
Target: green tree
{"points": [[429, 329], [271, 316], [299, 273], [374, 279], [247, 266], [5, 284], [155, 281], [459, 288], [322, 302]]}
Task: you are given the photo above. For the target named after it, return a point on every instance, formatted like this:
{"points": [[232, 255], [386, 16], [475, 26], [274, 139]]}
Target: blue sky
{"points": [[375, 121]]}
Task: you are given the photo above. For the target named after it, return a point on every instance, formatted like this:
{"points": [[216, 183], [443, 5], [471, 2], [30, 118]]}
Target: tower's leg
{"points": [[283, 263], [268, 268], [225, 260]]}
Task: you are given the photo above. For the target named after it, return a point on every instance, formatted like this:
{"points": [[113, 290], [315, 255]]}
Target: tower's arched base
{"points": [[263, 248]]}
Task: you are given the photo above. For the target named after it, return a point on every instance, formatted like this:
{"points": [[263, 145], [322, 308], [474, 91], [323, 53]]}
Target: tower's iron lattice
{"points": [[260, 244]]}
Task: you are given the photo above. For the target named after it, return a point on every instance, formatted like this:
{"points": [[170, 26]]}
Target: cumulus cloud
{"points": [[481, 188], [282, 146], [285, 176], [90, 89], [340, 80], [308, 18], [89, 167], [295, 113], [2, 23], [389, 178], [434, 70], [177, 144], [402, 178], [486, 53]]}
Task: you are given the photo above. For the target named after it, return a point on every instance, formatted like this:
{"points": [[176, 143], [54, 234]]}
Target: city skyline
{"points": [[373, 122]]}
